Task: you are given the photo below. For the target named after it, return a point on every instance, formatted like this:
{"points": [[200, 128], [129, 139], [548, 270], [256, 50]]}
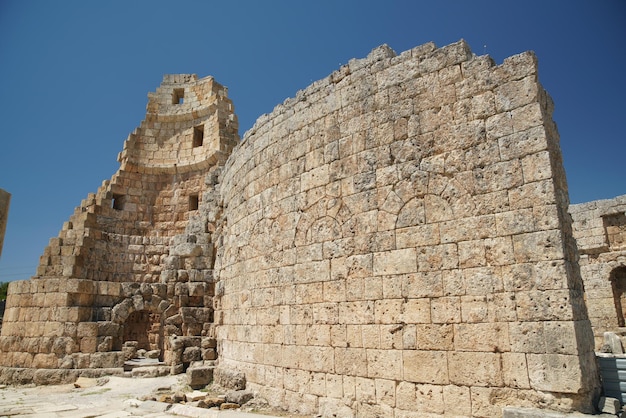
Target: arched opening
{"points": [[618, 284], [145, 327]]}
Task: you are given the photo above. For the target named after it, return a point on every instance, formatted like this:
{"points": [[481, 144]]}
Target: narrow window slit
{"points": [[198, 136], [194, 202]]}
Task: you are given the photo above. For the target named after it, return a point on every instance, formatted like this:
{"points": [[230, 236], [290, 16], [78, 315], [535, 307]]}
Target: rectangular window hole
{"points": [[198, 136], [194, 201], [118, 201], [178, 96]]}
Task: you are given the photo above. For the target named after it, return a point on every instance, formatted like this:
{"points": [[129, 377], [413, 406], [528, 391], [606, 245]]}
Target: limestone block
{"points": [[395, 262], [429, 399], [515, 370], [425, 366], [538, 246], [544, 305], [554, 372], [446, 310], [532, 194], [405, 396], [88, 344], [609, 405], [106, 360], [45, 361], [475, 369], [457, 400], [199, 377], [87, 329], [350, 361], [490, 337], [192, 354], [186, 249], [386, 364], [613, 341]]}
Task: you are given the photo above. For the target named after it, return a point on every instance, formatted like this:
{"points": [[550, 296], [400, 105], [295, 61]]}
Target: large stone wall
{"points": [[392, 241], [396, 240], [600, 231]]}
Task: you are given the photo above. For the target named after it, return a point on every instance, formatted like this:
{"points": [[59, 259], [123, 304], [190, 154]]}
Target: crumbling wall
{"points": [[136, 256], [396, 240], [600, 232]]}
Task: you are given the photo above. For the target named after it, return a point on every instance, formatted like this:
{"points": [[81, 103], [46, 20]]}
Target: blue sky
{"points": [[74, 79]]}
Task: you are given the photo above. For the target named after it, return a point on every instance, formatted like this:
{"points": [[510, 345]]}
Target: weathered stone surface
{"points": [[239, 397], [199, 377], [230, 379], [600, 231], [393, 240]]}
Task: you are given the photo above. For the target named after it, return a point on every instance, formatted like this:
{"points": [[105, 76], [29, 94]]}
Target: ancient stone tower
{"points": [[392, 241], [135, 260]]}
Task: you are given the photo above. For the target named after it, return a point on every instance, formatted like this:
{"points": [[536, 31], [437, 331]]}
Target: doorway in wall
{"points": [[618, 284], [145, 327]]}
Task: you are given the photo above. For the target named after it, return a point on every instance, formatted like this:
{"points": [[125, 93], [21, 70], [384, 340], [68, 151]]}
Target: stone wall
{"points": [[5, 199], [135, 257], [396, 240], [600, 231], [393, 240]]}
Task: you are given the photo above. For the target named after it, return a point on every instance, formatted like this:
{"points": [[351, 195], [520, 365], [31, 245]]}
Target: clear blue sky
{"points": [[74, 79]]}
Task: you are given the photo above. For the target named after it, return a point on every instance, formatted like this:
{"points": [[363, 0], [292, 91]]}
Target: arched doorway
{"points": [[618, 284]]}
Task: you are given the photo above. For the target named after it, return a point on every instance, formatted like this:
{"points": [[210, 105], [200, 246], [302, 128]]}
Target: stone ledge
{"points": [[540, 413], [24, 376]]}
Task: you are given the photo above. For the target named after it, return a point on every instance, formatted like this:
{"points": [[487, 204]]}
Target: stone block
{"points": [[554, 372], [199, 377], [89, 344], [87, 329], [395, 262], [425, 366], [475, 369], [385, 364], [230, 379], [609, 405]]}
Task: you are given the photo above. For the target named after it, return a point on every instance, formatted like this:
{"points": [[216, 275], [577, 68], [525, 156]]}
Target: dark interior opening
{"points": [[118, 201], [194, 202], [178, 96], [198, 136]]}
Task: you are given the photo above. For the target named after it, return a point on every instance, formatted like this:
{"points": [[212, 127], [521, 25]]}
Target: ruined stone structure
{"points": [[5, 199], [135, 261], [393, 240], [600, 231]]}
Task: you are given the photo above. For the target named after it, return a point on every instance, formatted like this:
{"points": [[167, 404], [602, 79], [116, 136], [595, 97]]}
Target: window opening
{"points": [[178, 96], [118, 202], [198, 136], [194, 202]]}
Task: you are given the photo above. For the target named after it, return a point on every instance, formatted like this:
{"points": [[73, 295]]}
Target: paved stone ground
{"points": [[119, 397]]}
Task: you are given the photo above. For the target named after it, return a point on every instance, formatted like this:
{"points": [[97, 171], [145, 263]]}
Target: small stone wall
{"points": [[600, 231], [396, 240]]}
